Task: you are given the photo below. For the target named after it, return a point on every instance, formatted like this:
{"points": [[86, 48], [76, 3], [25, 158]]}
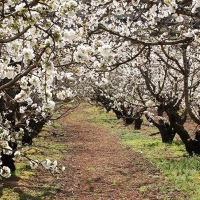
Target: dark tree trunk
{"points": [[118, 113], [7, 160], [166, 130], [193, 146], [177, 123], [138, 123], [26, 138], [167, 133], [128, 120], [183, 134]]}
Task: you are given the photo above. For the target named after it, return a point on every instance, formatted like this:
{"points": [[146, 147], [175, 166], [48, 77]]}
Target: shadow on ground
{"points": [[14, 188]]}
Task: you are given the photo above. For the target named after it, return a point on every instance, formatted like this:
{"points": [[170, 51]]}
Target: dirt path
{"points": [[99, 167]]}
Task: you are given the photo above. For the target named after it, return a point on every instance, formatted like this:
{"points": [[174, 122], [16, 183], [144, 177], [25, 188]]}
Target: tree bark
{"points": [[138, 123]]}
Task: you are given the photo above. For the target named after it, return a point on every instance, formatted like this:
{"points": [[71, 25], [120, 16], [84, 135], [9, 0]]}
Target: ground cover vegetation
{"points": [[137, 58]]}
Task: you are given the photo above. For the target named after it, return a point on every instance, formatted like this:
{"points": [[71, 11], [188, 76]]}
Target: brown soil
{"points": [[99, 167]]}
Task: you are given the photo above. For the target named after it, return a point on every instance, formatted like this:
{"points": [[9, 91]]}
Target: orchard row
{"points": [[135, 57]]}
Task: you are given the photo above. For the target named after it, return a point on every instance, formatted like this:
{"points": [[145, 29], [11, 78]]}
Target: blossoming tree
{"points": [[36, 43], [121, 32], [49, 49]]}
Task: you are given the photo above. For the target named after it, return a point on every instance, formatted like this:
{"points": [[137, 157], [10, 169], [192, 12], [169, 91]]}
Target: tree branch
{"points": [[16, 36], [136, 41], [19, 76]]}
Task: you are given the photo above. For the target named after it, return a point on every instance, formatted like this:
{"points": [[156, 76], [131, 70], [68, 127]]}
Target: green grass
{"points": [[114, 183], [56, 125], [171, 159], [90, 169], [19, 186]]}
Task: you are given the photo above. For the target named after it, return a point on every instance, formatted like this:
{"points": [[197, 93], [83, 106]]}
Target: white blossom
{"points": [[34, 164], [5, 172], [135, 2], [20, 7], [179, 18]]}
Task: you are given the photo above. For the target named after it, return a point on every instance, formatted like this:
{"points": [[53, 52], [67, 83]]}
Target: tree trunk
{"points": [[138, 123], [128, 120], [180, 130], [167, 133]]}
